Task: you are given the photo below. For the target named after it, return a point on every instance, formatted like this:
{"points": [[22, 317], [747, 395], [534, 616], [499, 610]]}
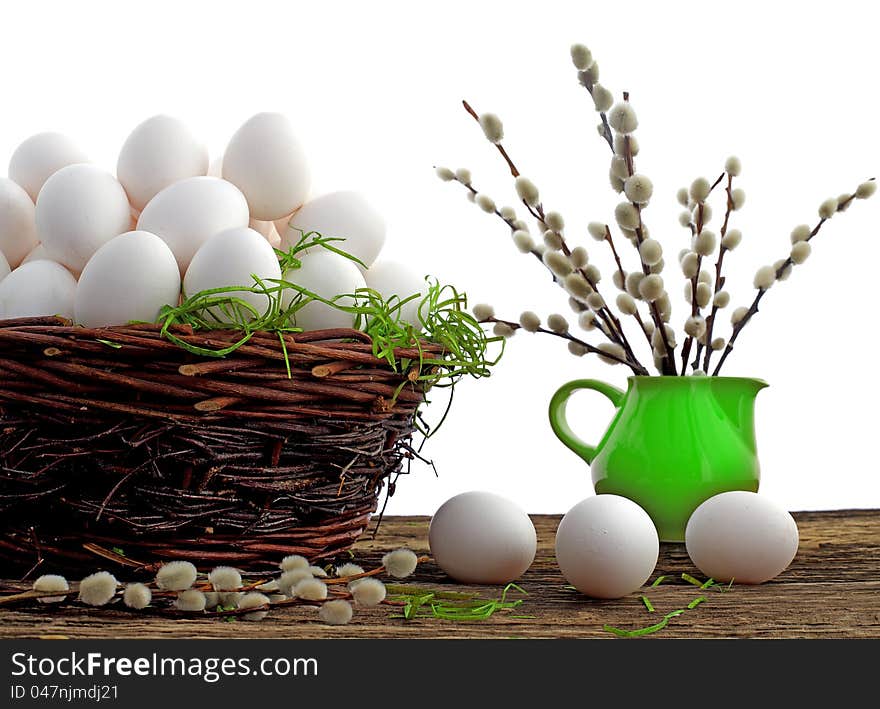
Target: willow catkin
{"points": [[699, 190], [492, 127], [622, 118], [51, 583], [225, 578], [337, 612], [402, 563], [294, 561], [176, 576], [529, 321], [527, 191], [254, 600]]}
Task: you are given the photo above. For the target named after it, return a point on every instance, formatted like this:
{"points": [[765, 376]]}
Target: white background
{"points": [[374, 90]]}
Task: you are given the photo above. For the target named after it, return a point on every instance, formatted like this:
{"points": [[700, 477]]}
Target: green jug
{"points": [[673, 443]]}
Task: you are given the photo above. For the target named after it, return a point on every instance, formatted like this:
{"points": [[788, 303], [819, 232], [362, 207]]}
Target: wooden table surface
{"points": [[831, 590]]}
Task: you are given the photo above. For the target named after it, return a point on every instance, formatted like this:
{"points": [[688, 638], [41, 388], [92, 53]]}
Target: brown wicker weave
{"points": [[135, 444]]}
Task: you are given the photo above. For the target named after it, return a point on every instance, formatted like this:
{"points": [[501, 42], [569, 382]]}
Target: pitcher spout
{"points": [[736, 397]]}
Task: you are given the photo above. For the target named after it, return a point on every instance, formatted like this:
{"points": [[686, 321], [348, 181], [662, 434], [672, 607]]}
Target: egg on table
{"points": [[483, 538], [742, 537], [159, 152], [80, 208], [231, 258], [327, 275], [4, 267], [189, 212], [392, 278], [41, 156], [36, 289], [267, 162], [344, 214], [607, 546], [18, 229], [129, 278]]}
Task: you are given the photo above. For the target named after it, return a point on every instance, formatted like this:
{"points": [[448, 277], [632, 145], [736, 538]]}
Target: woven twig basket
{"points": [[117, 440]]}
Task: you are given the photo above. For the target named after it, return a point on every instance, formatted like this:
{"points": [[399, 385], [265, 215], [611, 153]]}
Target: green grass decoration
{"points": [[422, 603], [702, 585], [410, 590], [442, 314], [643, 631], [691, 580]]}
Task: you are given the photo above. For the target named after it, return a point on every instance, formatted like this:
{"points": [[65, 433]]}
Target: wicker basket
{"points": [[119, 443]]}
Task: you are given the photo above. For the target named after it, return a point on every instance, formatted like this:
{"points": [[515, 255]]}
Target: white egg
{"points": [[18, 229], [129, 278], [188, 213], [267, 231], [741, 536], [327, 275], [38, 252], [391, 278], [607, 546], [4, 267], [229, 259], [37, 288], [80, 208], [480, 537], [41, 156], [266, 161], [159, 152], [347, 215]]}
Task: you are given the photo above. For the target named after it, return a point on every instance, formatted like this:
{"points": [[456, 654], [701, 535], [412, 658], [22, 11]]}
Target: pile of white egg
{"points": [[104, 249], [607, 546]]}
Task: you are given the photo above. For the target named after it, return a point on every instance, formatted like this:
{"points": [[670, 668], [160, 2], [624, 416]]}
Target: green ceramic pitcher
{"points": [[673, 443]]}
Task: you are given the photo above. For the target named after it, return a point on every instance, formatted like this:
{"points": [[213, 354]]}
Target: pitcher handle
{"points": [[559, 423]]}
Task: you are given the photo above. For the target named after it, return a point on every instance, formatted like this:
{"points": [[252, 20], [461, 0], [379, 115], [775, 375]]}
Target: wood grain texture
{"points": [[832, 590]]}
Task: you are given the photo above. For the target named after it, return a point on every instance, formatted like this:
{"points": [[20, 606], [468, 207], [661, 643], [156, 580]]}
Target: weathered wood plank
{"points": [[831, 590]]}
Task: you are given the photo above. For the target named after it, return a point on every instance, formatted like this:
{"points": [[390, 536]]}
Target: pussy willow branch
{"points": [[537, 212], [637, 368], [605, 325], [696, 230], [606, 129], [513, 170], [612, 322], [669, 358], [509, 222], [205, 586], [607, 135], [719, 280], [695, 279], [637, 315], [753, 308]]}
